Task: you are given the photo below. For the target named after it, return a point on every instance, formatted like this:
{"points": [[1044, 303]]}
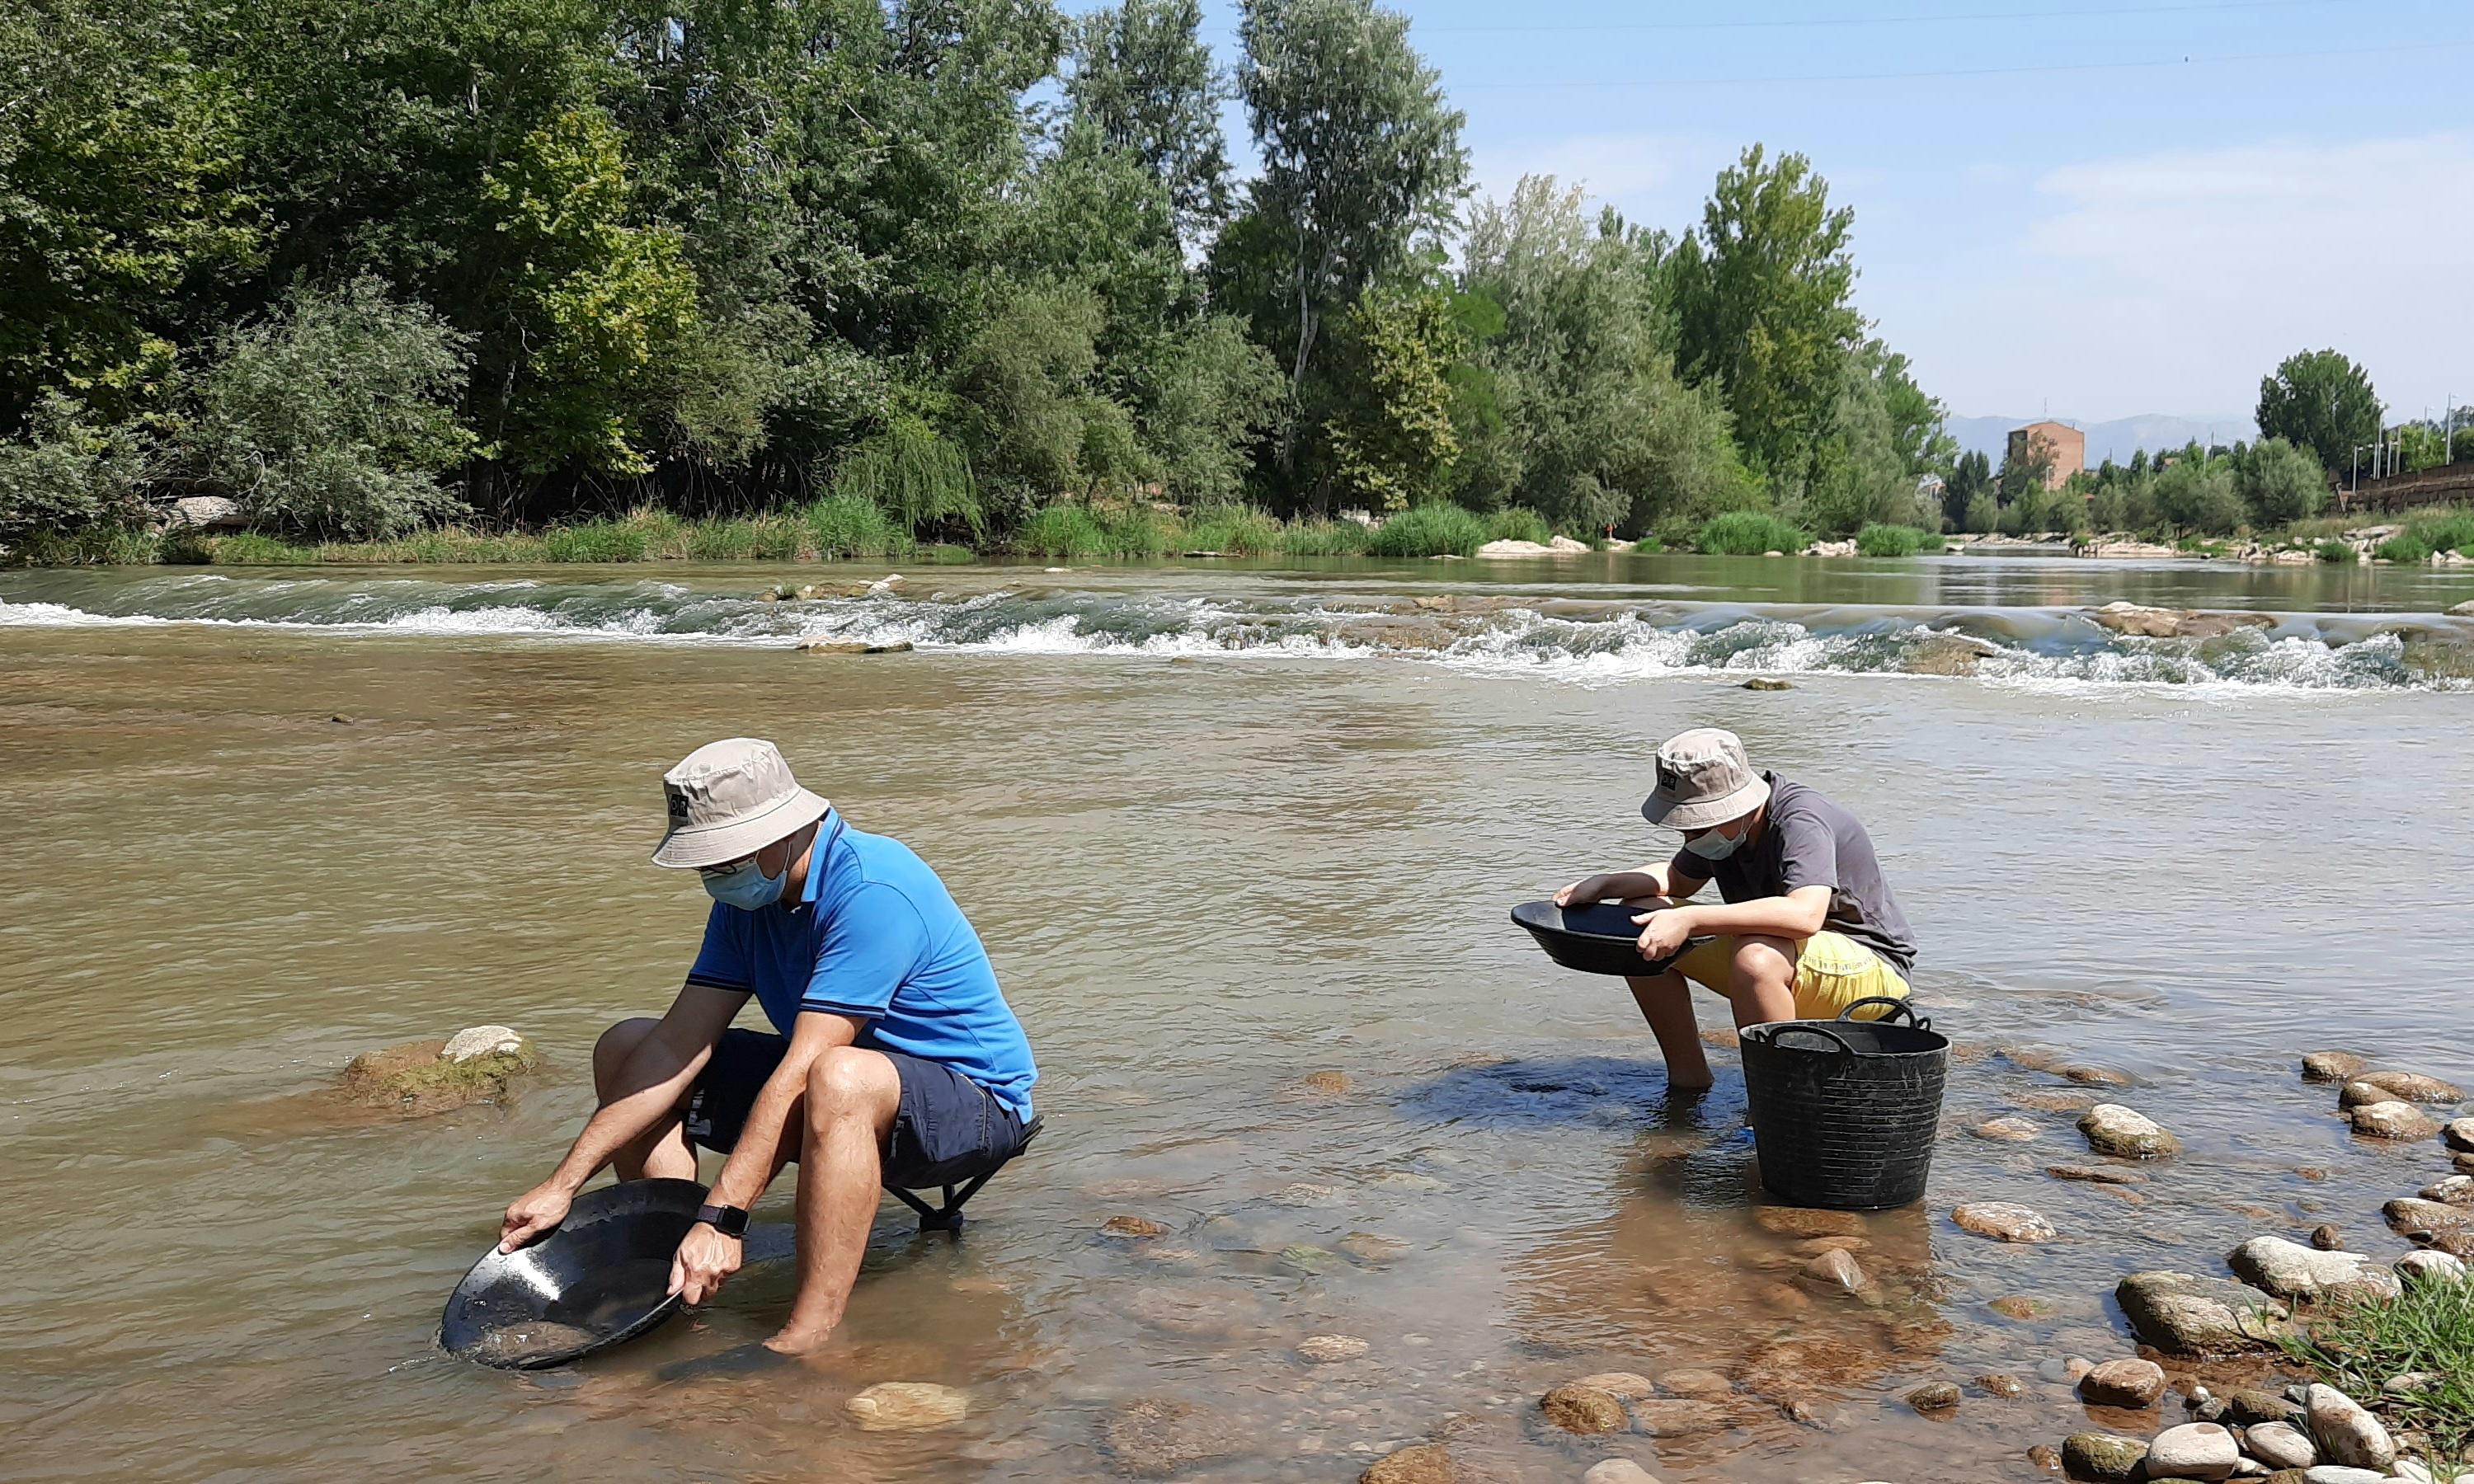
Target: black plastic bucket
{"points": [[1845, 1112]]}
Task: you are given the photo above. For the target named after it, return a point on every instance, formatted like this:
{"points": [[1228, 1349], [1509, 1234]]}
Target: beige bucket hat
{"points": [[1704, 779], [731, 799]]}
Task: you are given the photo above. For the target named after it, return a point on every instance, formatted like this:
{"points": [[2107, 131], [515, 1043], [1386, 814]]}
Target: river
{"points": [[1225, 828]]}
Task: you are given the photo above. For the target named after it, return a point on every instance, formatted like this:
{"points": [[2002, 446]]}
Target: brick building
{"points": [[2069, 446]]}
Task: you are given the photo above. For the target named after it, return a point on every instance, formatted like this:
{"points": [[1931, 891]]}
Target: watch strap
{"points": [[728, 1220]]}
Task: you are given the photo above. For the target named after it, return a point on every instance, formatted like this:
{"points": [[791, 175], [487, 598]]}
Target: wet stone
{"points": [[1622, 1385], [1815, 1246], [2414, 1087], [1583, 1410], [1419, 1463], [417, 1078], [1373, 1247], [2054, 1100], [1802, 1221], [2101, 1458], [1837, 1270], [1934, 1396], [1618, 1471], [1159, 1437], [2020, 1306], [2455, 1190], [1662, 1417], [2004, 1222], [2115, 1130], [1325, 1350], [2124, 1383], [2096, 1076], [2289, 1270], [1133, 1226], [2394, 1119], [2412, 1216], [1697, 1385], [2327, 1238], [2012, 1130], [2045, 1456], [2333, 1067], [2002, 1384], [2184, 1314], [2460, 1135], [2358, 1093], [906, 1407], [2095, 1174]]}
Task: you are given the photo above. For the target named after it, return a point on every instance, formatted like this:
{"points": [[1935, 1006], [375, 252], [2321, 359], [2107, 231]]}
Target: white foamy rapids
{"points": [[1586, 643]]}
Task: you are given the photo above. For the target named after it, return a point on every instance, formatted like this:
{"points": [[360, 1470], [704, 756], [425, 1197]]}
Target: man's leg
{"points": [[662, 1151], [852, 1097], [1665, 1002], [1761, 983]]}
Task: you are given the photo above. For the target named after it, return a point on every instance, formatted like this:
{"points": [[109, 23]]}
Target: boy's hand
{"points": [[1585, 890], [1662, 932]]}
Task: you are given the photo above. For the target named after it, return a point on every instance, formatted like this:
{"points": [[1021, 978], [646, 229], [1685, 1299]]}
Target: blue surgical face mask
{"points": [[1716, 846], [745, 885]]}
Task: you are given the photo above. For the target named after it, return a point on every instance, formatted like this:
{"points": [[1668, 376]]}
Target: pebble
{"points": [[1133, 1226], [2423, 1267], [2327, 1238], [2414, 1087], [2011, 1130], [1325, 1350], [2347, 1434], [2194, 1450], [2394, 1119], [2280, 1446], [2045, 1456], [1837, 1269], [1583, 1410], [1419, 1463], [2115, 1130], [2101, 1458], [2128, 1383], [2095, 1174], [1934, 1396], [2412, 1383], [2333, 1067], [2251, 1406], [2001, 1383], [2004, 1222], [906, 1407], [1618, 1471]]}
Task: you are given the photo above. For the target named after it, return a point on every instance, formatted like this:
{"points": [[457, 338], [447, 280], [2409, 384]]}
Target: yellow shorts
{"points": [[1833, 973]]}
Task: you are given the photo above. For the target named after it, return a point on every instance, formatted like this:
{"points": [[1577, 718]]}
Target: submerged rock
{"points": [[1697, 1385], [1325, 1350], [1419, 1463], [2115, 1130], [2414, 1087], [2001, 1383], [2095, 1174], [2004, 1222], [2347, 1435], [2101, 1458], [2327, 1238], [906, 1407], [1618, 1471], [1768, 683], [2126, 1384], [1158, 1437], [1133, 1226], [854, 647], [2289, 1270], [2333, 1067], [1622, 1385], [1804, 1221], [2395, 1120], [1934, 1396], [2184, 1314], [2019, 1305], [418, 1077], [1664, 1417], [1584, 1409], [1836, 1269], [2008, 1130]]}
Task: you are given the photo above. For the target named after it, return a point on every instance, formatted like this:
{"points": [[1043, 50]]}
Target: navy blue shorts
{"points": [[947, 1130]]}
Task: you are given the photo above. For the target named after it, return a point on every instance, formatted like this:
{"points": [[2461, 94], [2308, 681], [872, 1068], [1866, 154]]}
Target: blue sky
{"points": [[2053, 210]]}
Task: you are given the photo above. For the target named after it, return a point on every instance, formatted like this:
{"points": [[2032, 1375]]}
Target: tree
{"points": [[1361, 157], [2320, 400], [2279, 484], [1765, 308], [1396, 444], [1969, 476], [2196, 493], [1146, 82], [2021, 477], [1217, 392]]}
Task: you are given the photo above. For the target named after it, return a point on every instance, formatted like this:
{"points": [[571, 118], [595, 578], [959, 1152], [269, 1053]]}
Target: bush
{"points": [[1746, 532], [596, 540], [2407, 547], [1880, 541], [1325, 539], [2333, 551], [1434, 529], [77, 484], [1063, 531], [2280, 483], [1983, 513], [248, 548], [915, 478], [334, 417], [1238, 530], [848, 525], [1516, 524]]}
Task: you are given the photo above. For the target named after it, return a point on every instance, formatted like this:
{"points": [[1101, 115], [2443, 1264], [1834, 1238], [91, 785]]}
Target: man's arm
{"points": [[661, 1069], [1661, 879]]}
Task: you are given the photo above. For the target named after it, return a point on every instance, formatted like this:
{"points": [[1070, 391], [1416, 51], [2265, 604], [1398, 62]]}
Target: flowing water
{"points": [[1241, 842]]}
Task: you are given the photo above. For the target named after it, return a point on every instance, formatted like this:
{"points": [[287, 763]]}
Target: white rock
{"points": [[2290, 1270], [2338, 1474], [2115, 1130], [206, 513], [2194, 1450], [2004, 1222], [906, 1407], [2412, 1472], [2460, 1135], [1618, 1471], [2281, 1445], [480, 1040], [2430, 1267], [1331, 1349], [2455, 1190], [2347, 1435]]}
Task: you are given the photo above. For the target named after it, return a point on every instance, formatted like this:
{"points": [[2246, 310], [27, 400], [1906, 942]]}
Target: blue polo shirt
{"points": [[875, 935]]}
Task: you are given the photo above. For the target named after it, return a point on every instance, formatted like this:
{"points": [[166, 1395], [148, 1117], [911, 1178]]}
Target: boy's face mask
{"points": [[744, 885], [1716, 844]]}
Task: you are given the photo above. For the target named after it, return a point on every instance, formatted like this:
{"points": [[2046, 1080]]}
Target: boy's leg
{"points": [[1665, 1002], [1760, 984]]}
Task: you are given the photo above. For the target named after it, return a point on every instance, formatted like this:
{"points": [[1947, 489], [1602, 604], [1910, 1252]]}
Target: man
{"points": [[897, 1057], [1807, 926]]}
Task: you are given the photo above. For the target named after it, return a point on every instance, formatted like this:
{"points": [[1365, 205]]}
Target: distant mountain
{"points": [[2116, 440]]}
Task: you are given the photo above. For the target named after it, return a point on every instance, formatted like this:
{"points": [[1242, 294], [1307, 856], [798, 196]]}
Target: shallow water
{"points": [[1207, 870]]}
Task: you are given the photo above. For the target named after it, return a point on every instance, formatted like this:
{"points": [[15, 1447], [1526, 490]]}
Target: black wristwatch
{"points": [[728, 1220]]}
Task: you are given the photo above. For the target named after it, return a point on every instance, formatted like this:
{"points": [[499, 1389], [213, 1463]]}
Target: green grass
{"points": [[2333, 551], [1514, 523], [1746, 532], [1324, 538], [2357, 1347], [1235, 530], [1067, 531], [1435, 529], [1880, 540]]}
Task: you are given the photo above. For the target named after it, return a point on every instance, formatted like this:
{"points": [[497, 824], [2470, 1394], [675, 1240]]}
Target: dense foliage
{"points": [[373, 270]]}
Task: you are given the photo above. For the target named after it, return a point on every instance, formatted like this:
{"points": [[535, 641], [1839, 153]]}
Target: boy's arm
{"points": [[1661, 879], [1799, 914]]}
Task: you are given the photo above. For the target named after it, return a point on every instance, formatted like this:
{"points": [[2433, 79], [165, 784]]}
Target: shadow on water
{"points": [[1592, 1090]]}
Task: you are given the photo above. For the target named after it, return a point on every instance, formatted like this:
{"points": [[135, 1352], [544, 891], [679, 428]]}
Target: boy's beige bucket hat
{"points": [[1704, 779], [731, 799]]}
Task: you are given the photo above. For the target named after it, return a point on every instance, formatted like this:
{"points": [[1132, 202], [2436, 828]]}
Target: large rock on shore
{"points": [[2115, 1130], [2416, 1268], [2125, 1383], [2413, 1216], [2184, 1314], [477, 1065], [2347, 1435], [2194, 1450], [2290, 1270]]}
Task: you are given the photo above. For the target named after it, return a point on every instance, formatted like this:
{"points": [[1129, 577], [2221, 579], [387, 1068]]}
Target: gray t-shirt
{"points": [[1809, 841]]}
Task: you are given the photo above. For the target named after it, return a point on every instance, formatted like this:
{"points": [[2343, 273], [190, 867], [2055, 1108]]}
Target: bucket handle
{"points": [[1779, 1033], [1890, 1017]]}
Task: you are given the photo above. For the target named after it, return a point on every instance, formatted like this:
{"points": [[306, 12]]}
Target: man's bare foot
{"points": [[799, 1342]]}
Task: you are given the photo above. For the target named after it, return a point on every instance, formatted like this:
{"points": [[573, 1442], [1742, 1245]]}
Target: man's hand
{"points": [[1662, 932], [705, 1261], [1585, 890], [534, 1214]]}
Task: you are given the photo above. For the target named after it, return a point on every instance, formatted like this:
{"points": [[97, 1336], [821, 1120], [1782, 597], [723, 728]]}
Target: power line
{"points": [[1457, 86], [1809, 22]]}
